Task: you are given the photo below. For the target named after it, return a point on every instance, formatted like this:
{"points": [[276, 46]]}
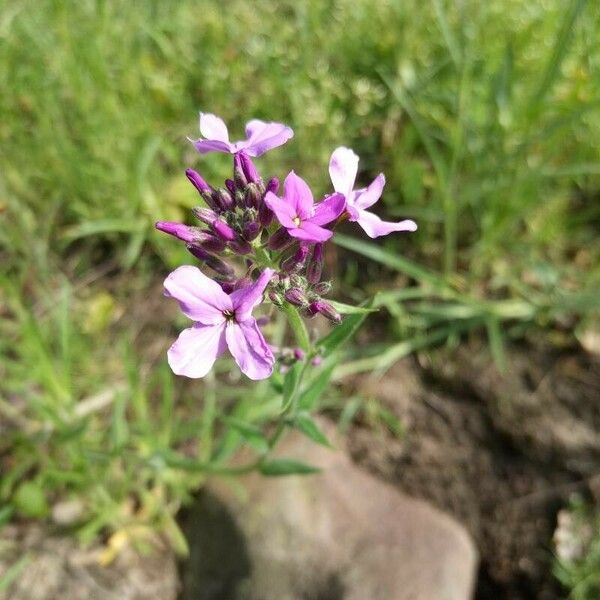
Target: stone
{"points": [[339, 534]]}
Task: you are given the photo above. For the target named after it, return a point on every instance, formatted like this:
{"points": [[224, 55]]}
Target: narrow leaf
{"points": [[285, 466], [310, 429]]}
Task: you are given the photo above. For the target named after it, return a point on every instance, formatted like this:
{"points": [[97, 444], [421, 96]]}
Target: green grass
{"points": [[485, 117]]}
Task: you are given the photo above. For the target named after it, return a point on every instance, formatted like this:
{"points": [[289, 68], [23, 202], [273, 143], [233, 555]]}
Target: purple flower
{"points": [[343, 166], [221, 321], [298, 213], [260, 136]]}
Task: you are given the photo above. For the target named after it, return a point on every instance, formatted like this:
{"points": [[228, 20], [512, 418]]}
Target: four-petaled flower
{"points": [[221, 320], [260, 136], [343, 167], [298, 213]]}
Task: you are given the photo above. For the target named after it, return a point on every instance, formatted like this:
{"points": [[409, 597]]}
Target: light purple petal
{"points": [[206, 146], [196, 349], [200, 298], [368, 197], [262, 137], [329, 209], [374, 226], [309, 232], [284, 211], [297, 193], [343, 166], [245, 299], [213, 128], [249, 349]]}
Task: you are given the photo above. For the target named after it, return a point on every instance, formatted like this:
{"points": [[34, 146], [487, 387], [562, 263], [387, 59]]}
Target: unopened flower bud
{"points": [[230, 185], [180, 231], [275, 298], [199, 252], [212, 243], [296, 297], [325, 309], [273, 185], [315, 267], [205, 190], [251, 230], [242, 283], [322, 288], [248, 168], [296, 261], [227, 286], [206, 215], [296, 280], [216, 264], [299, 354], [316, 361], [280, 239], [238, 173], [240, 246], [223, 230], [265, 214], [225, 199], [252, 196]]}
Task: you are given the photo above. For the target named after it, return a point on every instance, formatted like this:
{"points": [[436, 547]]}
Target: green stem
{"points": [[298, 326]]}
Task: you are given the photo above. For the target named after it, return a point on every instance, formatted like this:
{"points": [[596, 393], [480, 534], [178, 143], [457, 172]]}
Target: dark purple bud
{"points": [[253, 196], [299, 354], [296, 297], [180, 231], [205, 190], [230, 184], [216, 264], [240, 198], [226, 286], [242, 283], [225, 199], [280, 239], [275, 298], [273, 185], [296, 261], [325, 309], [240, 247], [262, 321], [315, 267], [206, 215], [322, 288], [248, 168], [238, 172], [223, 230], [213, 244], [251, 231], [265, 214]]}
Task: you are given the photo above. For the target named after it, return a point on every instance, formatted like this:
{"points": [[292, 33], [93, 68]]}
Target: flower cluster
{"points": [[281, 239]]}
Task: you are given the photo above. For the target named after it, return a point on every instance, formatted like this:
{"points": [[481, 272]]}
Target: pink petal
{"points": [[249, 349], [262, 137], [196, 349], [310, 232], [245, 299], [297, 193], [329, 209], [213, 128], [343, 166], [284, 211], [206, 146], [375, 227], [200, 298], [368, 197]]}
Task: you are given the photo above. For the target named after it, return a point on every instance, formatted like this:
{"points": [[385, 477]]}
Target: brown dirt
{"points": [[502, 453]]}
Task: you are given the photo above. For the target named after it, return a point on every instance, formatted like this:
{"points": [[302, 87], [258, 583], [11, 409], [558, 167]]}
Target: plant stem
{"points": [[297, 326]]}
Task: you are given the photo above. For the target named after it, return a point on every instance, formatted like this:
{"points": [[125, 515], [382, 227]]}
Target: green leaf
{"points": [[251, 434], [5, 515], [310, 396], [343, 332], [285, 466], [11, 574], [347, 309], [310, 429], [30, 500], [291, 381]]}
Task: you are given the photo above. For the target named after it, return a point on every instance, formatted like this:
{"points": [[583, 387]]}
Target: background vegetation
{"points": [[485, 117]]}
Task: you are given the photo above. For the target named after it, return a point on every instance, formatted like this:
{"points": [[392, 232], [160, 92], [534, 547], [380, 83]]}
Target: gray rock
{"points": [[340, 534]]}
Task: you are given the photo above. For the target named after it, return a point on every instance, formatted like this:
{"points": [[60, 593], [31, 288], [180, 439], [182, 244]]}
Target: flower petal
{"points": [[200, 298], [329, 209], [262, 137], [206, 146], [368, 197], [374, 226], [309, 232], [213, 128], [249, 349], [284, 211], [297, 193], [196, 349], [245, 299], [343, 166]]}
